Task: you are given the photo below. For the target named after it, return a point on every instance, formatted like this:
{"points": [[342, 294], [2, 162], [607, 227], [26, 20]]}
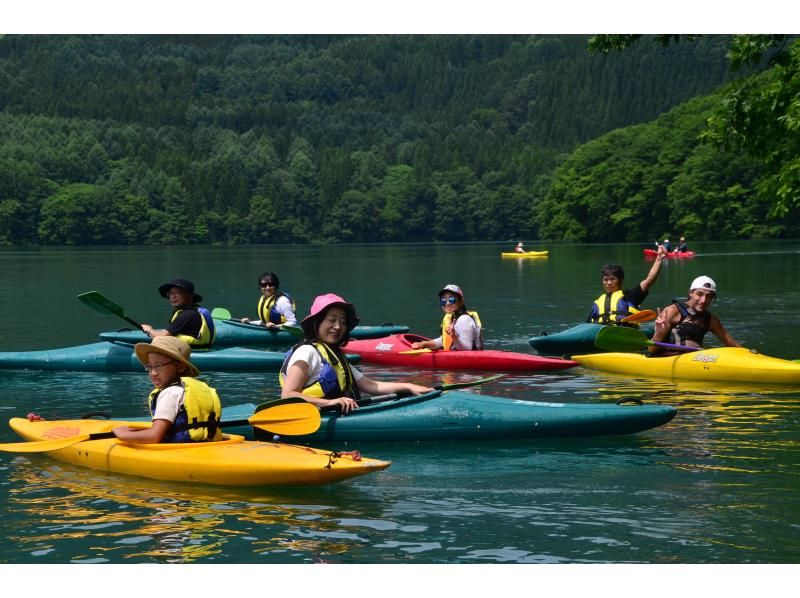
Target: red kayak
{"points": [[651, 253], [396, 350]]}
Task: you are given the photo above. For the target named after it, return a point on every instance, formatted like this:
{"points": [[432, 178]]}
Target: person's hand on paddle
{"points": [[345, 403]]}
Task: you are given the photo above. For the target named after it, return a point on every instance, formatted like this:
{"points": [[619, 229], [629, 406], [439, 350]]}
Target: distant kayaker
{"points": [[616, 303], [177, 399], [686, 323], [317, 370], [520, 248], [190, 322], [275, 308], [682, 246], [461, 328], [667, 245]]}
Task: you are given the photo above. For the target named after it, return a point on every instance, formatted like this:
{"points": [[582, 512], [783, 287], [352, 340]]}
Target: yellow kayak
{"points": [[729, 364], [526, 254], [233, 461]]}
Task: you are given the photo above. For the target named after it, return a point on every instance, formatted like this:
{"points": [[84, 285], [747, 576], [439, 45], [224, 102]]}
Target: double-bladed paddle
{"points": [[221, 313], [645, 315], [293, 417], [440, 388], [104, 305], [620, 338]]}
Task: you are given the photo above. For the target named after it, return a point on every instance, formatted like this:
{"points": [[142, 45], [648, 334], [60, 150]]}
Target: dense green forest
{"points": [[294, 139]]}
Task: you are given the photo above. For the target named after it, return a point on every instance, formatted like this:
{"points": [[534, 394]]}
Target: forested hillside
{"points": [[242, 139]]}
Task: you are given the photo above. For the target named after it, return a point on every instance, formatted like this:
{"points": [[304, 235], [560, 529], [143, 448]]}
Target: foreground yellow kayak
{"points": [[730, 364], [230, 462], [544, 253]]}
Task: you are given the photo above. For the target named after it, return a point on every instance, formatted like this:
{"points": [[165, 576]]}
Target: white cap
{"points": [[453, 288], [704, 283]]}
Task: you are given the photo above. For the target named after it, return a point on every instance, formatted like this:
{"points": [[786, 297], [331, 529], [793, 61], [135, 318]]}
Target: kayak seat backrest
{"points": [[412, 338]]}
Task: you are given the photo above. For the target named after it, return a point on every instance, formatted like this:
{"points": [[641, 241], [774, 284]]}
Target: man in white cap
{"points": [[687, 323]]}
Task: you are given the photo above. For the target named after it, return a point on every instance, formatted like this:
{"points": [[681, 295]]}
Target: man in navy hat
{"points": [[190, 322]]}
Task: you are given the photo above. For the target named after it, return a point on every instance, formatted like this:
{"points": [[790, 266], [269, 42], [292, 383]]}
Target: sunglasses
{"points": [[450, 300], [264, 285]]}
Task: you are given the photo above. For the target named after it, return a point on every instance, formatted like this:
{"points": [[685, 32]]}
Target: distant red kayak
{"points": [[651, 253], [396, 350]]}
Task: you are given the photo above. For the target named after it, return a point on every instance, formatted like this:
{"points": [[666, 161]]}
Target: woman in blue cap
{"points": [[190, 322], [461, 328]]}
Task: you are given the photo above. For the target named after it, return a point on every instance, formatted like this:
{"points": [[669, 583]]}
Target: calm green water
{"points": [[717, 484]]}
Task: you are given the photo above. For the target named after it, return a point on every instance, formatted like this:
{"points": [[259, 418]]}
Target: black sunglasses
{"points": [[264, 285]]}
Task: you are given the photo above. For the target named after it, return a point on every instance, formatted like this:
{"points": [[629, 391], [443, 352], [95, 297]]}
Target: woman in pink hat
{"points": [[461, 328], [316, 369]]}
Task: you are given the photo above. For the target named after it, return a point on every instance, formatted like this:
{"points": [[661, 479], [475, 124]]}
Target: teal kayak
{"points": [[458, 415], [114, 357], [232, 333], [577, 340]]}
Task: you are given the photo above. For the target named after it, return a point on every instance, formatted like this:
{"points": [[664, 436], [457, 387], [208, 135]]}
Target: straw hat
{"points": [[169, 346]]}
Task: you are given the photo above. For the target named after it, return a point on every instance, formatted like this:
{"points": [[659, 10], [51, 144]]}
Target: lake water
{"points": [[718, 484]]}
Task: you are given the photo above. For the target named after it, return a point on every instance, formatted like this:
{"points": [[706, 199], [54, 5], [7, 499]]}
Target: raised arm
{"points": [[654, 269]]}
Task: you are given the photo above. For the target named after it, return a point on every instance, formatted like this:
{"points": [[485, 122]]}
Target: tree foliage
{"points": [[295, 139]]}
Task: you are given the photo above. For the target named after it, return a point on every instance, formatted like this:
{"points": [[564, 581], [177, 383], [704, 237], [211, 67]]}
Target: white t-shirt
{"points": [[284, 307], [467, 332], [310, 355], [169, 402]]}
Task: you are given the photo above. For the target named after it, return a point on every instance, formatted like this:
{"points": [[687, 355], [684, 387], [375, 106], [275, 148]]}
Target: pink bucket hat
{"points": [[320, 307]]}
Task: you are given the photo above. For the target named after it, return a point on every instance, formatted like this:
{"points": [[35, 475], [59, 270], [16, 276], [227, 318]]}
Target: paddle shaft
{"points": [[284, 416], [440, 388], [620, 338]]}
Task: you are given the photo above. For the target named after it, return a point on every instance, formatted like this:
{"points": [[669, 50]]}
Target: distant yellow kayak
{"points": [[230, 462], [728, 364], [526, 254]]}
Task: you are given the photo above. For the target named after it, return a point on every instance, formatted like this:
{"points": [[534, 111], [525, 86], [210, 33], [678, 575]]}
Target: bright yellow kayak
{"points": [[526, 254], [730, 364], [230, 462]]}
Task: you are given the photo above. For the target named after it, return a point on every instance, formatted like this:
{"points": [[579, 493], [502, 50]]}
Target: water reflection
{"points": [[77, 515]]}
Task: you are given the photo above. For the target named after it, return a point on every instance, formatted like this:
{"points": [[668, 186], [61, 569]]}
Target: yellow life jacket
{"points": [[266, 308], [611, 308], [207, 330], [447, 340], [335, 380], [199, 416]]}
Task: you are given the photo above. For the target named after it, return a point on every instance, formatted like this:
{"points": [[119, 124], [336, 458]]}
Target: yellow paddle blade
{"points": [[415, 351], [293, 419], [42, 446]]}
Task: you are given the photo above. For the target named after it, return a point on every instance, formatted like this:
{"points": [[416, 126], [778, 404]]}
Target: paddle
{"points": [[620, 338], [220, 313], [645, 315], [104, 305], [440, 388], [293, 417]]}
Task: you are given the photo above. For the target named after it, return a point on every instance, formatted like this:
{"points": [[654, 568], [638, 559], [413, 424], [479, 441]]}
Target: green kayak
{"points": [[458, 415], [577, 340], [114, 357], [232, 333]]}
